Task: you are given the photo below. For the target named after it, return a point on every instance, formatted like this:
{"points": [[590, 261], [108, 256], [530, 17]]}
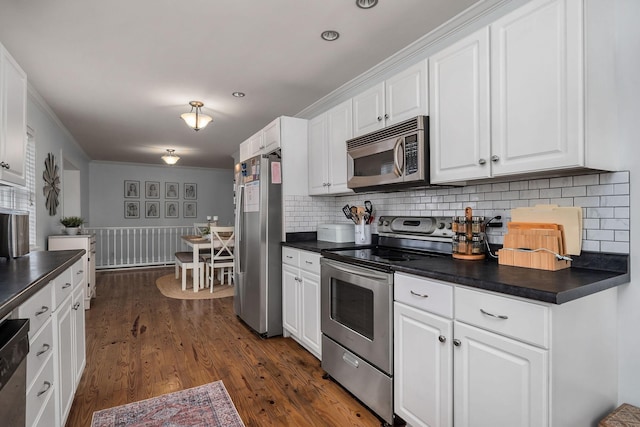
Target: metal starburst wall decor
{"points": [[51, 188]]}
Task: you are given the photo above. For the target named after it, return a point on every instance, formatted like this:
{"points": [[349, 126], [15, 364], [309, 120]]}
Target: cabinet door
{"points": [[536, 88], [310, 312], [406, 94], [271, 136], [498, 381], [77, 316], [290, 297], [339, 130], [368, 110], [63, 323], [13, 128], [317, 158], [422, 367], [459, 124], [254, 145]]}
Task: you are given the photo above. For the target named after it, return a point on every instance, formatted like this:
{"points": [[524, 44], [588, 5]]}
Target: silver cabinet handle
{"points": [[289, 256], [419, 295], [66, 285], [495, 158], [482, 162], [80, 272], [45, 348], [76, 306], [43, 310], [379, 118], [497, 316], [328, 184], [47, 386], [308, 262], [442, 338], [386, 116], [457, 343]]}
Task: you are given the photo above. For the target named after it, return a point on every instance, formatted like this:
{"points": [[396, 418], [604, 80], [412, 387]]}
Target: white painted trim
{"points": [[482, 13]]}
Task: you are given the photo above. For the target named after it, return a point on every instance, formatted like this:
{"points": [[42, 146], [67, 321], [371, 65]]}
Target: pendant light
{"points": [[170, 158], [195, 119]]}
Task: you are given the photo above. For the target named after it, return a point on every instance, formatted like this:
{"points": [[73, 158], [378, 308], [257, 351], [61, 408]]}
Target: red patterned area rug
{"points": [[208, 405]]}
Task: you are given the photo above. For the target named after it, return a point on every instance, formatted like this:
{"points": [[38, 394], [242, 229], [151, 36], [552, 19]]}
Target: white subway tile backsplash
{"points": [[604, 198]]}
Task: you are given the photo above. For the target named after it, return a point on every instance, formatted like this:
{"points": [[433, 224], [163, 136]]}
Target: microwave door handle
{"points": [[398, 161]]}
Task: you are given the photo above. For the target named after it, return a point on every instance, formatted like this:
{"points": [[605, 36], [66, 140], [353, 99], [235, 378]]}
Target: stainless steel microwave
{"points": [[396, 156]]}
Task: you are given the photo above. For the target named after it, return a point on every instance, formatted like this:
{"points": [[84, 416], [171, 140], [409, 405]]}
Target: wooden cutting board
{"points": [[569, 217]]}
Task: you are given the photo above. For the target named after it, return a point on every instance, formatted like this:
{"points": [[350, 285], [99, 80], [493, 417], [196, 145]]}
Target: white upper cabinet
{"points": [[13, 120], [529, 94], [536, 88], [459, 124], [328, 134], [400, 97], [271, 136]]}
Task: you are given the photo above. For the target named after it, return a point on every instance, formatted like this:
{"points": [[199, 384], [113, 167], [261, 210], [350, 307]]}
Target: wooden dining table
{"points": [[197, 243]]}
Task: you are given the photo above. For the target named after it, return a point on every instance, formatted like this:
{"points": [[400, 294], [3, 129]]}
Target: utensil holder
{"points": [[362, 234]]}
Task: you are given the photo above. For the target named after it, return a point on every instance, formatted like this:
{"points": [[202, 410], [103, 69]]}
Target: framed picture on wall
{"points": [[131, 209], [171, 209], [190, 191], [152, 189], [132, 189], [171, 190], [190, 210], [152, 210]]}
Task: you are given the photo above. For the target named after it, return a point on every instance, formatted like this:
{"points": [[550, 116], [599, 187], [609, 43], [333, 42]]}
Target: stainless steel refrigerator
{"points": [[258, 262]]}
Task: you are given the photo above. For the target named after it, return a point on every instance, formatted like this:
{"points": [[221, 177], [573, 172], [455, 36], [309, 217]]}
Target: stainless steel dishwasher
{"points": [[14, 346]]}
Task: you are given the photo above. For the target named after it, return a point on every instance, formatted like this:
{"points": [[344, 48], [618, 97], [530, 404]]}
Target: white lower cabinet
{"points": [[301, 298], [57, 353], [484, 359]]}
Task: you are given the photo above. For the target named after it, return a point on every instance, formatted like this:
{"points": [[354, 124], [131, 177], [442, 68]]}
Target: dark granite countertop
{"points": [[590, 273], [20, 278]]}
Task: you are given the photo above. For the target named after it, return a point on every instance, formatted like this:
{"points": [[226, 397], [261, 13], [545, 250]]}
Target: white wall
{"points": [[214, 192], [628, 92], [51, 137]]}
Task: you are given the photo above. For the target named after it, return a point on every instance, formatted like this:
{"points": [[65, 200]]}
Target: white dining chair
{"points": [[222, 242]]}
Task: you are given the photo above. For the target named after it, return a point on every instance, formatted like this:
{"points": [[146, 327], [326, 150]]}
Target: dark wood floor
{"points": [[141, 344]]}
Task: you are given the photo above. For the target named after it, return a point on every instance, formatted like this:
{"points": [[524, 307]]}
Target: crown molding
{"points": [[473, 18]]}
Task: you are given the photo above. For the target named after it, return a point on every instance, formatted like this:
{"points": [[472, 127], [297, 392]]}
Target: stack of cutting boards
{"points": [[536, 234]]}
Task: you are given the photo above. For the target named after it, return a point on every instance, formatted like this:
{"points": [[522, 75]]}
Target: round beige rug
{"points": [[172, 288]]}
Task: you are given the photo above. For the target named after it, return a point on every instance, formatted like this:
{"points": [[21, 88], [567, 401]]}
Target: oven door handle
{"points": [[361, 273]]}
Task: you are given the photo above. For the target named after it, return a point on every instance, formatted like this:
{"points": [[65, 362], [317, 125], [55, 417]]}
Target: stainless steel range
{"points": [[357, 305]]}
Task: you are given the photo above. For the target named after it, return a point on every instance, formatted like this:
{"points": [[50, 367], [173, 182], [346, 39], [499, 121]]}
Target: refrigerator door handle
{"points": [[240, 226]]}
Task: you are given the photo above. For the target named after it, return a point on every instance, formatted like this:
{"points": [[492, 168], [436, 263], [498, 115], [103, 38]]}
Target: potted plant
{"points": [[71, 224]]}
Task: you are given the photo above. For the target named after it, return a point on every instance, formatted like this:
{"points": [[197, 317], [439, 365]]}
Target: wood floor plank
{"points": [[141, 344]]}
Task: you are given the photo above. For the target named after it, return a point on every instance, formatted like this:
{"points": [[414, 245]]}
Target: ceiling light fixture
{"points": [[366, 4], [238, 94], [170, 158], [330, 35], [195, 119]]}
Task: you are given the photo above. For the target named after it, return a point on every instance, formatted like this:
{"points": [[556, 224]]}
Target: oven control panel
{"points": [[416, 227]]}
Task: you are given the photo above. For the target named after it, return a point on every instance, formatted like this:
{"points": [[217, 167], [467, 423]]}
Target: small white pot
{"points": [[71, 231]]}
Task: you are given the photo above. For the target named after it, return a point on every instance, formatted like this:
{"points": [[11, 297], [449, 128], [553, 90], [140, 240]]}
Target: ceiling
{"points": [[119, 73]]}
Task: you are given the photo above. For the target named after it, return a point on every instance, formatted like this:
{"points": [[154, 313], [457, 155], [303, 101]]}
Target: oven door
{"points": [[356, 311]]}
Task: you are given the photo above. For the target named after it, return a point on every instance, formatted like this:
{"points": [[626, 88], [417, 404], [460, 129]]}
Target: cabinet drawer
{"points": [[48, 413], [425, 294], [40, 391], [310, 261], [40, 348], [521, 320], [78, 270], [62, 287], [291, 256], [37, 309]]}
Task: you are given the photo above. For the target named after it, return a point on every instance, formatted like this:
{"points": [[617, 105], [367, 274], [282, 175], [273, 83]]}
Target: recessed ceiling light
{"points": [[366, 4], [330, 35], [238, 94]]}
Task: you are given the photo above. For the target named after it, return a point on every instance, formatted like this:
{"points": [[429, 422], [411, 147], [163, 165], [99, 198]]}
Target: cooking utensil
{"points": [[347, 212], [368, 207], [354, 214]]}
